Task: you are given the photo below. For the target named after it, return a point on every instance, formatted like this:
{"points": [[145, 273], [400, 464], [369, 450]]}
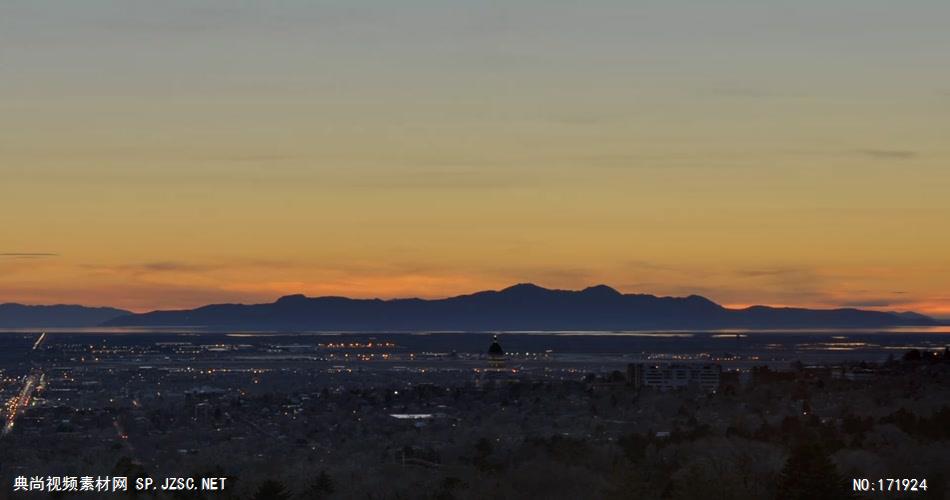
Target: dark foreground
{"points": [[369, 418]]}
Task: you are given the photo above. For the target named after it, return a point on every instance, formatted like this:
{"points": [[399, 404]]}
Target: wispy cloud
{"points": [[28, 255], [178, 266], [740, 91], [450, 177], [758, 273], [889, 154], [868, 303], [174, 266]]}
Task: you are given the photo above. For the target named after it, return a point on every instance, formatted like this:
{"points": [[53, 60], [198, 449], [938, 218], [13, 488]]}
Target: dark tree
{"points": [[125, 467], [634, 446], [320, 488], [809, 474], [447, 488], [483, 450], [271, 490]]}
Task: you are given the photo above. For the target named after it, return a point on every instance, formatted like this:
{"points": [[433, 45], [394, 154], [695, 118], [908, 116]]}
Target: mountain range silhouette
{"points": [[27, 316], [520, 307]]}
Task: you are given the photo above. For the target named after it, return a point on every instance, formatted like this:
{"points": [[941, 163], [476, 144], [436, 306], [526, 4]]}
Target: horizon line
{"points": [[731, 306]]}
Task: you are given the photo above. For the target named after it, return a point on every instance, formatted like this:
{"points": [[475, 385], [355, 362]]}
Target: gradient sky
{"points": [[174, 153]]}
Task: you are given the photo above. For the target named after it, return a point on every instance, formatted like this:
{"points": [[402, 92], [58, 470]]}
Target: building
{"points": [[669, 376], [496, 355], [497, 369]]}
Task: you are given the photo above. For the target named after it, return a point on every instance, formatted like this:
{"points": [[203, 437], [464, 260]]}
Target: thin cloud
{"points": [[740, 92], [448, 178], [28, 255], [868, 303], [252, 158], [651, 265], [173, 266], [758, 273], [889, 154], [878, 302]]}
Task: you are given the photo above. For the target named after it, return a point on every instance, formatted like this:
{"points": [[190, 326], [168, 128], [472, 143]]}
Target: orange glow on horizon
{"points": [[174, 287]]}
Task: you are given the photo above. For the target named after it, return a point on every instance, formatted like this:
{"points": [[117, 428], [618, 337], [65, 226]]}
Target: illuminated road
{"points": [[39, 341], [16, 405]]}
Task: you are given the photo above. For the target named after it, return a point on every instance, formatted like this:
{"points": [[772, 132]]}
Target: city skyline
{"points": [[158, 156]]}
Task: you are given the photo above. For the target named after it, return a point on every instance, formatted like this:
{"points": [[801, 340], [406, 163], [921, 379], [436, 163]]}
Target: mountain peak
{"points": [[292, 299], [601, 290], [524, 288]]}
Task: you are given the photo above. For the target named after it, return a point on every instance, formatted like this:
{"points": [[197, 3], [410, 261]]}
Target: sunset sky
{"points": [[167, 154]]}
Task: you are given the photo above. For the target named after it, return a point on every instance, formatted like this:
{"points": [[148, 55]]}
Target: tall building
{"points": [[668, 376]]}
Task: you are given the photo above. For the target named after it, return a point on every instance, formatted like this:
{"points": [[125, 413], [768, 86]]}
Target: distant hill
{"points": [[24, 316], [520, 307], [910, 315]]}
